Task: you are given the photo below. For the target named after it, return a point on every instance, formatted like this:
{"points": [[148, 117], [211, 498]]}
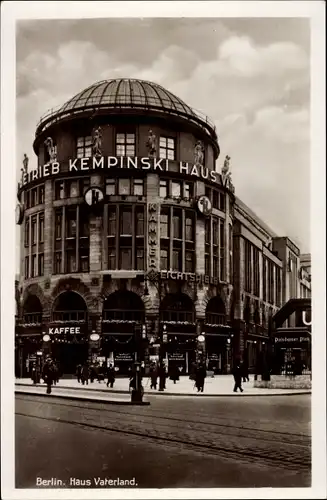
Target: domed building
{"points": [[126, 234]]}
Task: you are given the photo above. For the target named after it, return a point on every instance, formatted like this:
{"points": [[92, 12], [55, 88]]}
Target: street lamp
{"points": [[137, 392]]}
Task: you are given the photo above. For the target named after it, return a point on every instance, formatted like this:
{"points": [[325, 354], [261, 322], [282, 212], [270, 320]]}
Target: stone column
{"points": [[96, 233], [48, 228]]}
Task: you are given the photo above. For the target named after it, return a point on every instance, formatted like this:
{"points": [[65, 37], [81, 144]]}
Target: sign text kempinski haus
{"points": [[114, 162]]}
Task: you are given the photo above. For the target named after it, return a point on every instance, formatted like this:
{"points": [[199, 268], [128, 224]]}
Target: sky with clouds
{"points": [[250, 76]]}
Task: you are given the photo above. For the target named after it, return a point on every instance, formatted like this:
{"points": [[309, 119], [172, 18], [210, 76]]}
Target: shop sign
{"points": [[152, 235], [63, 330], [124, 356], [192, 277], [176, 356], [102, 163], [291, 339], [93, 196]]}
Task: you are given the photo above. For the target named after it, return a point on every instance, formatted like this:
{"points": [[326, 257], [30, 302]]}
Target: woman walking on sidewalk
{"points": [[111, 375], [85, 374]]}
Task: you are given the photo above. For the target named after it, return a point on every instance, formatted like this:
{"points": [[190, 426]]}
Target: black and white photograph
{"points": [[163, 250]]}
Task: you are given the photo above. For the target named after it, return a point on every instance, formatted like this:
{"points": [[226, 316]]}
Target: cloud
{"points": [[255, 88]]}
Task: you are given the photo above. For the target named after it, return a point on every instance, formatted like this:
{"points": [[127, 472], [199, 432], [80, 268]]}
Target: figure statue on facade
{"points": [[24, 170], [151, 144], [97, 142], [52, 150], [225, 172], [198, 153]]}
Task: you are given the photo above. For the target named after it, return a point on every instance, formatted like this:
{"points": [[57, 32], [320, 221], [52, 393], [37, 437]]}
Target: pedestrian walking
{"points": [[85, 374], [153, 376], [237, 373], [111, 375], [48, 374], [162, 377], [245, 371], [200, 375], [174, 373], [79, 372]]}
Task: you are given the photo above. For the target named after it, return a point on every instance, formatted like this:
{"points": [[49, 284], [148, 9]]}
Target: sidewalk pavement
{"points": [[220, 385]]}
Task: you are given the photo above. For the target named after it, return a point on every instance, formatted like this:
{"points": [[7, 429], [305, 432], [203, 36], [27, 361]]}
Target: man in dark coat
{"points": [[85, 374], [245, 371], [78, 372], [153, 375], [237, 373], [48, 374], [174, 373]]}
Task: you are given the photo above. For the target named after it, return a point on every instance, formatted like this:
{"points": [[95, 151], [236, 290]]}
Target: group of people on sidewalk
{"points": [[90, 372], [50, 373]]}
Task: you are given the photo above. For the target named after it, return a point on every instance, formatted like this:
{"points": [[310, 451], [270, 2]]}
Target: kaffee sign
{"points": [[113, 162], [72, 330]]}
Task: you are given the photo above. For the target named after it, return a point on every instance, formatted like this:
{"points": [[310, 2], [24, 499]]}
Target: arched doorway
{"points": [[177, 319], [218, 337], [68, 331], [123, 312], [29, 337]]}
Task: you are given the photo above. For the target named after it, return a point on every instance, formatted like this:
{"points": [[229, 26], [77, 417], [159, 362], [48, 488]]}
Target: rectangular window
{"points": [[58, 224], [41, 195], [207, 265], [256, 272], [71, 261], [72, 188], [189, 262], [139, 222], [84, 260], [41, 228], [215, 232], [222, 202], [110, 187], [164, 259], [27, 263], [215, 266], [59, 190], [27, 232], [41, 264], [177, 259], [84, 147], [111, 257], [247, 266], [189, 229], [125, 144], [164, 225], [138, 187], [112, 222], [222, 264], [176, 189], [33, 230], [57, 263], [126, 222], [140, 259], [167, 148], [188, 190], [215, 199], [264, 277], [177, 225], [163, 189], [124, 187], [34, 197], [84, 227], [34, 266], [125, 258], [71, 223], [207, 230]]}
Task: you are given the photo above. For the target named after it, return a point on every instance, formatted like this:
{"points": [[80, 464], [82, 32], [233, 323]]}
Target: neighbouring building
{"points": [[305, 276], [132, 242]]}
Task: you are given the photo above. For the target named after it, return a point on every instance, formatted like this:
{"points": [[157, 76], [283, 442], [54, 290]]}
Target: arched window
{"points": [[177, 307], [32, 310], [69, 306], [215, 312], [123, 306]]}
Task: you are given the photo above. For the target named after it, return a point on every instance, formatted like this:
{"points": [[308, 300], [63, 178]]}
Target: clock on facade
{"points": [[19, 214], [204, 205], [93, 196]]}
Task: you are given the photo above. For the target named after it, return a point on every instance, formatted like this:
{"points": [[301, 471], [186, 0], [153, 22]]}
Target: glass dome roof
{"points": [[125, 93]]}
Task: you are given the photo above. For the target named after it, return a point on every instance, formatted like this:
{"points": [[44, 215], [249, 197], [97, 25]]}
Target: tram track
{"points": [[274, 452]]}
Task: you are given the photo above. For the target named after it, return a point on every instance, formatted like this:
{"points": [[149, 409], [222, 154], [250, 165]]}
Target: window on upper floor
{"points": [[84, 147], [167, 148], [125, 144]]}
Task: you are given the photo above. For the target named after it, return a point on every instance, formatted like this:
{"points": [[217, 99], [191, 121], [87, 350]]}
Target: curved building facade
{"points": [[126, 234]]}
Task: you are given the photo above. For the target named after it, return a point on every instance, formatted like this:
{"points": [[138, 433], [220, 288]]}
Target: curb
{"points": [[183, 394], [86, 398]]}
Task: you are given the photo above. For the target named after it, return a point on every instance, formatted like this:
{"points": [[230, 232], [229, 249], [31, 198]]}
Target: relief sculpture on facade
{"points": [[151, 144], [97, 141], [52, 150], [198, 153]]}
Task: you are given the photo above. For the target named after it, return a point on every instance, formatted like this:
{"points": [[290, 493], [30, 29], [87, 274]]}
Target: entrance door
{"points": [[69, 356]]}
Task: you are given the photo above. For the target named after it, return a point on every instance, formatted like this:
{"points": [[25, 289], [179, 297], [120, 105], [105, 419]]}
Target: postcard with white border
{"points": [[163, 250]]}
